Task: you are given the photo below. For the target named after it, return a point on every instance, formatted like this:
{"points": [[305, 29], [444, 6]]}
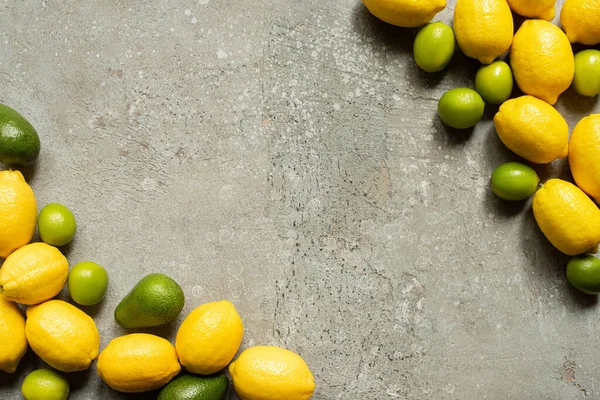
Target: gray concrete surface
{"points": [[286, 155]]}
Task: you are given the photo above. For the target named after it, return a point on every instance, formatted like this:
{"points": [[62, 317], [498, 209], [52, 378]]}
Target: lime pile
{"points": [[543, 66], [67, 339]]}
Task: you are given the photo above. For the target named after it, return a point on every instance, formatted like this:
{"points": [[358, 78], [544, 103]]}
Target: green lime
{"points": [[19, 142], [191, 387], [56, 224], [461, 108], [587, 72], [494, 82], [583, 273], [434, 47], [514, 181], [45, 384], [87, 283]]}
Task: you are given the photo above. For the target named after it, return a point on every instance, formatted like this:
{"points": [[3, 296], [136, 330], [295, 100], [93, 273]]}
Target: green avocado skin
{"points": [[192, 387], [155, 300], [19, 141]]}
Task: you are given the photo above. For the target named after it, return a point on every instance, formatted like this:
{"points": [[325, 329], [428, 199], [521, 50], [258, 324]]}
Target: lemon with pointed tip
{"points": [[567, 217], [209, 337], [138, 362], [542, 60], [543, 9], [12, 336], [33, 274], [18, 212], [581, 21], [406, 13], [483, 28], [62, 335], [584, 155], [271, 373], [533, 129]]}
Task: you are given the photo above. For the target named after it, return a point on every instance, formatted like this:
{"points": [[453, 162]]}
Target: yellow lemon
{"points": [[542, 60], [584, 155], [567, 217], [33, 274], [532, 129], [138, 362], [209, 337], [62, 335], [483, 28], [543, 9], [18, 212], [271, 373], [581, 21], [407, 13], [12, 336]]}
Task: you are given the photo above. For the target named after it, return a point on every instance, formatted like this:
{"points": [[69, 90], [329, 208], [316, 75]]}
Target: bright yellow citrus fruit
{"points": [[62, 335], [271, 373], [406, 13], [532, 129], [35, 273], [483, 28], [581, 21], [18, 212], [12, 336], [567, 217], [209, 337], [542, 60], [543, 9], [584, 155], [138, 362]]}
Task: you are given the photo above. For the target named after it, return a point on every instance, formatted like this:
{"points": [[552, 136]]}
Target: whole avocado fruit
{"points": [[19, 141], [192, 387], [155, 300]]}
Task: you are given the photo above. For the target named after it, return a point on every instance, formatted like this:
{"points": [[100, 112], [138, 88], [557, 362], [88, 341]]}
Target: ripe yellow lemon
{"points": [[18, 212], [543, 9], [584, 155], [483, 28], [568, 218], [581, 21], [12, 336], [271, 373], [532, 129], [209, 337], [33, 274], [62, 335], [542, 60], [406, 13], [138, 362]]}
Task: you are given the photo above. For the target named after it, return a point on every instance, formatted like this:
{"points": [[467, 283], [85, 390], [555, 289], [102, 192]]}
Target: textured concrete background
{"points": [[286, 155]]}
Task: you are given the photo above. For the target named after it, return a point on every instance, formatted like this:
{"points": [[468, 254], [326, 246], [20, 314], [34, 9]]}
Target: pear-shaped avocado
{"points": [[155, 300]]}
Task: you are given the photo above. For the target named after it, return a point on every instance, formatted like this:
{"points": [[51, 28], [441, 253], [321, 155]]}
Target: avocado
{"points": [[19, 142], [192, 387], [155, 300]]}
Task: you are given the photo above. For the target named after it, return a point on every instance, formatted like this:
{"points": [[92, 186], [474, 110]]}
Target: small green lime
{"points": [[19, 142], [45, 384], [434, 46], [461, 108], [494, 82], [587, 72], [514, 181], [87, 283], [192, 387], [583, 273], [56, 224]]}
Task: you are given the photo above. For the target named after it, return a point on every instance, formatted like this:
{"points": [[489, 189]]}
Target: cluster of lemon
{"points": [[68, 340], [543, 66]]}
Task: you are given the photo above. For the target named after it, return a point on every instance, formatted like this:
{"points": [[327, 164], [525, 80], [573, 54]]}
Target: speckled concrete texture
{"points": [[286, 155]]}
